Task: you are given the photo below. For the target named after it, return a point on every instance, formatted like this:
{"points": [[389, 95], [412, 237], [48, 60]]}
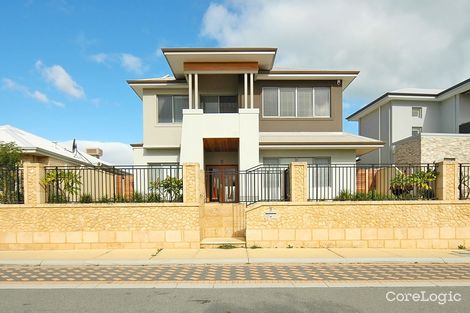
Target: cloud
{"points": [[60, 79], [132, 63], [11, 85], [117, 153], [100, 58], [127, 61], [394, 43]]}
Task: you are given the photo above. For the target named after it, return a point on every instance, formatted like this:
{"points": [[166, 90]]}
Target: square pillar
{"points": [[298, 182], [447, 184], [34, 192], [191, 176]]}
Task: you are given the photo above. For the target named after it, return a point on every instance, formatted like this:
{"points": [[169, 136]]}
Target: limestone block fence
{"points": [[442, 223]]}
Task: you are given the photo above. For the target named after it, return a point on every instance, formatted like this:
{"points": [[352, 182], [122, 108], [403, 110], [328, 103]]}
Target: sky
{"points": [[64, 64]]}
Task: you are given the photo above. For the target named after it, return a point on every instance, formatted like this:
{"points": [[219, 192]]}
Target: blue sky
{"points": [[64, 64], [38, 35]]}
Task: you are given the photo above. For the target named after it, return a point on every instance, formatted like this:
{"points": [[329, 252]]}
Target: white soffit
{"points": [[176, 59]]}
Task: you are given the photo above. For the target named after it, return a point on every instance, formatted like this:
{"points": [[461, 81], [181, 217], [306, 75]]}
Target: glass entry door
{"points": [[222, 183]]}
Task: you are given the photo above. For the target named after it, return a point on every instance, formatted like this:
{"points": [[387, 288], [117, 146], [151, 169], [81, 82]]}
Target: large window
{"points": [[296, 102], [321, 174], [170, 108], [219, 104]]}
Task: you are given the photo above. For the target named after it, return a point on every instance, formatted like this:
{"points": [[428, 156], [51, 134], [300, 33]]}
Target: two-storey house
{"points": [[418, 125], [230, 109]]}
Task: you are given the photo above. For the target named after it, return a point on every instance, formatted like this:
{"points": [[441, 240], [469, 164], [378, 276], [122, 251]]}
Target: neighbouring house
{"points": [[418, 125], [230, 109], [41, 150]]}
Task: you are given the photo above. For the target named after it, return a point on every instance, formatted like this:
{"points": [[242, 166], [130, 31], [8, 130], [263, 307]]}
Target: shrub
{"points": [[168, 189], [86, 198], [60, 185], [403, 184]]}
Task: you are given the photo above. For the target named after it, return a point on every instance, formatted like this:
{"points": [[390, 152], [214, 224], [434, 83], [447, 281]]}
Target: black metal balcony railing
{"points": [[464, 181], [159, 183], [11, 185], [372, 182]]}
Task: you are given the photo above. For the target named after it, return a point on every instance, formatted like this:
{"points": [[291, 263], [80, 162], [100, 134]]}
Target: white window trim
{"points": [[279, 116]]}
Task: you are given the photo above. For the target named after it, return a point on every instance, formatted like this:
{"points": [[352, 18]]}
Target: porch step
{"points": [[217, 242]]}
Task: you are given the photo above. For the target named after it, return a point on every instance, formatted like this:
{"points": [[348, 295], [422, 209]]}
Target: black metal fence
{"points": [[464, 181], [260, 183], [11, 185], [372, 182], [102, 184], [265, 183]]}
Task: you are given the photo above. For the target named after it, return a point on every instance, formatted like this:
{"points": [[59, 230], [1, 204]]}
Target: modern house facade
{"points": [[418, 125], [230, 106]]}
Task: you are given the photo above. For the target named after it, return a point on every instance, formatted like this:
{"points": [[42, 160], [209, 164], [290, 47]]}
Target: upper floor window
{"points": [[219, 104], [417, 112], [170, 108], [415, 131], [296, 102]]}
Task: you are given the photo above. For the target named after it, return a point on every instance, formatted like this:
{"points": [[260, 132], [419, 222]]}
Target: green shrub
{"points": [[138, 197], [153, 197], [169, 189], [60, 185], [86, 198], [403, 184], [104, 199]]}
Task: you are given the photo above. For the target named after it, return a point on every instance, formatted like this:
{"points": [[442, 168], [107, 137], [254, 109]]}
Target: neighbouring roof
{"points": [[318, 140], [36, 145], [418, 94]]}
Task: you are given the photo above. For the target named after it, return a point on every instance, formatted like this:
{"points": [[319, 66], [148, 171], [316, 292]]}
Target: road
{"points": [[272, 300], [237, 288]]}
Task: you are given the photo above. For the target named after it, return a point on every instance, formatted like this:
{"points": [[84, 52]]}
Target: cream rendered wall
{"points": [[243, 125], [145, 156], [155, 134]]}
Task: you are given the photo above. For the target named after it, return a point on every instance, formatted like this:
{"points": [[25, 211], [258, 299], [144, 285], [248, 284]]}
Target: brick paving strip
{"points": [[274, 273]]}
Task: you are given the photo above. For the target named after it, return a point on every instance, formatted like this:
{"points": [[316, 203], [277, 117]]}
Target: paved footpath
{"points": [[321, 274]]}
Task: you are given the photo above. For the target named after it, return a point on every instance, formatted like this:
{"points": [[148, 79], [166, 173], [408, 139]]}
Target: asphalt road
{"points": [[272, 300]]}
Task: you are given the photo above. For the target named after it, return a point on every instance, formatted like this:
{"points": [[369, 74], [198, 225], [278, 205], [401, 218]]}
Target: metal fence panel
{"points": [[371, 182], [88, 184], [11, 185]]}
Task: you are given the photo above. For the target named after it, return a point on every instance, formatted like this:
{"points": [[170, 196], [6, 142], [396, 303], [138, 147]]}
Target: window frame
{"points": [[420, 131], [172, 108], [279, 116], [218, 102], [420, 112]]}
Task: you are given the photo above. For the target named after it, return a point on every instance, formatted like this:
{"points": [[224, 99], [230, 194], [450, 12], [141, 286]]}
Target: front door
{"points": [[222, 183]]}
